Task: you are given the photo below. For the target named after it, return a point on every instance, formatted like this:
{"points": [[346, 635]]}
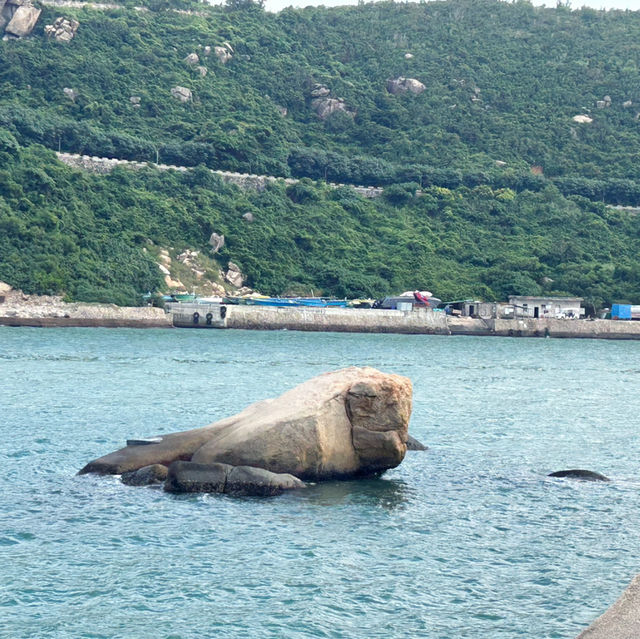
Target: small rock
{"points": [[145, 476], [627, 104], [408, 56], [224, 54], [202, 70], [164, 269], [320, 91], [582, 119], [248, 217], [216, 241], [601, 104], [192, 58], [135, 100], [207, 50], [182, 93], [414, 444], [72, 94]]}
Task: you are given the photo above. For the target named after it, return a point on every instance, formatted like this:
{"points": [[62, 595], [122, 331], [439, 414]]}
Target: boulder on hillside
{"points": [[347, 423], [63, 29], [217, 242], [182, 93], [402, 85], [234, 275], [324, 107], [223, 53], [23, 17]]}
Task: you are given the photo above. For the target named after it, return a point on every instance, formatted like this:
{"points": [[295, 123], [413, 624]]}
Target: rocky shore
{"points": [[20, 309]]}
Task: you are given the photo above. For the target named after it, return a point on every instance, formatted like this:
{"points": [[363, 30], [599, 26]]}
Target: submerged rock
{"points": [[414, 444], [346, 423], [577, 473]]}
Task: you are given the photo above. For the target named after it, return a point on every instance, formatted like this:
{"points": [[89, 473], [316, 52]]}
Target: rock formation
{"points": [[324, 105], [217, 242], [18, 17], [234, 275], [347, 423], [182, 93], [189, 477], [63, 29], [224, 53], [578, 473], [402, 85]]}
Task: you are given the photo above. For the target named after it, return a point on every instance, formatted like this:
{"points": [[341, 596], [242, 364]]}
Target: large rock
{"points": [[622, 620], [234, 275], [341, 424], [402, 85], [23, 21], [324, 107], [182, 93], [63, 29], [190, 477]]}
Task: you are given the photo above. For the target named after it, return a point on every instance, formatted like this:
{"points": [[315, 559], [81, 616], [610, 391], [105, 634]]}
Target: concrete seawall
{"points": [[341, 320], [417, 322]]}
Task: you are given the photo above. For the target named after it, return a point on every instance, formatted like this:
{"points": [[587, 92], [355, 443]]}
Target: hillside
{"points": [[492, 91]]}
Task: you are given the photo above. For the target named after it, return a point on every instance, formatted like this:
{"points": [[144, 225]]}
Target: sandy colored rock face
{"points": [[23, 21], [345, 423]]}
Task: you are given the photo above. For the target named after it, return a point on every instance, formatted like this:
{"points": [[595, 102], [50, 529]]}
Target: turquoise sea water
{"points": [[467, 540]]}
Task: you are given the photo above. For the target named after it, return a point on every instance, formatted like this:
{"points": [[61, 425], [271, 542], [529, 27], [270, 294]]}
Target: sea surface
{"points": [[469, 539]]}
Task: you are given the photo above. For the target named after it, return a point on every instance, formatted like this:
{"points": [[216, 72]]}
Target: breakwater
{"points": [[417, 322]]}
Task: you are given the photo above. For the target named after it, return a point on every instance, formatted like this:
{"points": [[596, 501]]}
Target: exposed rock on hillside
{"points": [[324, 105], [63, 29], [224, 53], [582, 119], [72, 94], [217, 242], [234, 276], [192, 58], [402, 85], [18, 17], [182, 93], [346, 423]]}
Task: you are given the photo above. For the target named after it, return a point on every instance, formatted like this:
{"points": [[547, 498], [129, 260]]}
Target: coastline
{"points": [[51, 312]]}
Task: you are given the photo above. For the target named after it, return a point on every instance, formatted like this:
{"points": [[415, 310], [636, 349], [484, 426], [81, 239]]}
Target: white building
{"points": [[549, 307]]}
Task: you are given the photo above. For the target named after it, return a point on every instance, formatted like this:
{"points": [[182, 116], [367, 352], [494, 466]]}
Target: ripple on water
{"points": [[469, 539]]}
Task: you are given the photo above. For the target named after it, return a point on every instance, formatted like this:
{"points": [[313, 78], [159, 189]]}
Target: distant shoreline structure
{"points": [[343, 320]]}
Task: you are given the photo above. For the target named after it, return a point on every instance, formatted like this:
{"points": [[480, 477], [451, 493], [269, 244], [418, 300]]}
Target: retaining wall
{"points": [[341, 320]]}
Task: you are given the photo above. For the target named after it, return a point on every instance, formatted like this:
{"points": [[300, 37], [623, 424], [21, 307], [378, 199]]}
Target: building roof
{"points": [[543, 298]]}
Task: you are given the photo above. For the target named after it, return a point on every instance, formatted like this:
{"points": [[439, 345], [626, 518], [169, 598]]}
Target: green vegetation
{"points": [[503, 83], [95, 237]]}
